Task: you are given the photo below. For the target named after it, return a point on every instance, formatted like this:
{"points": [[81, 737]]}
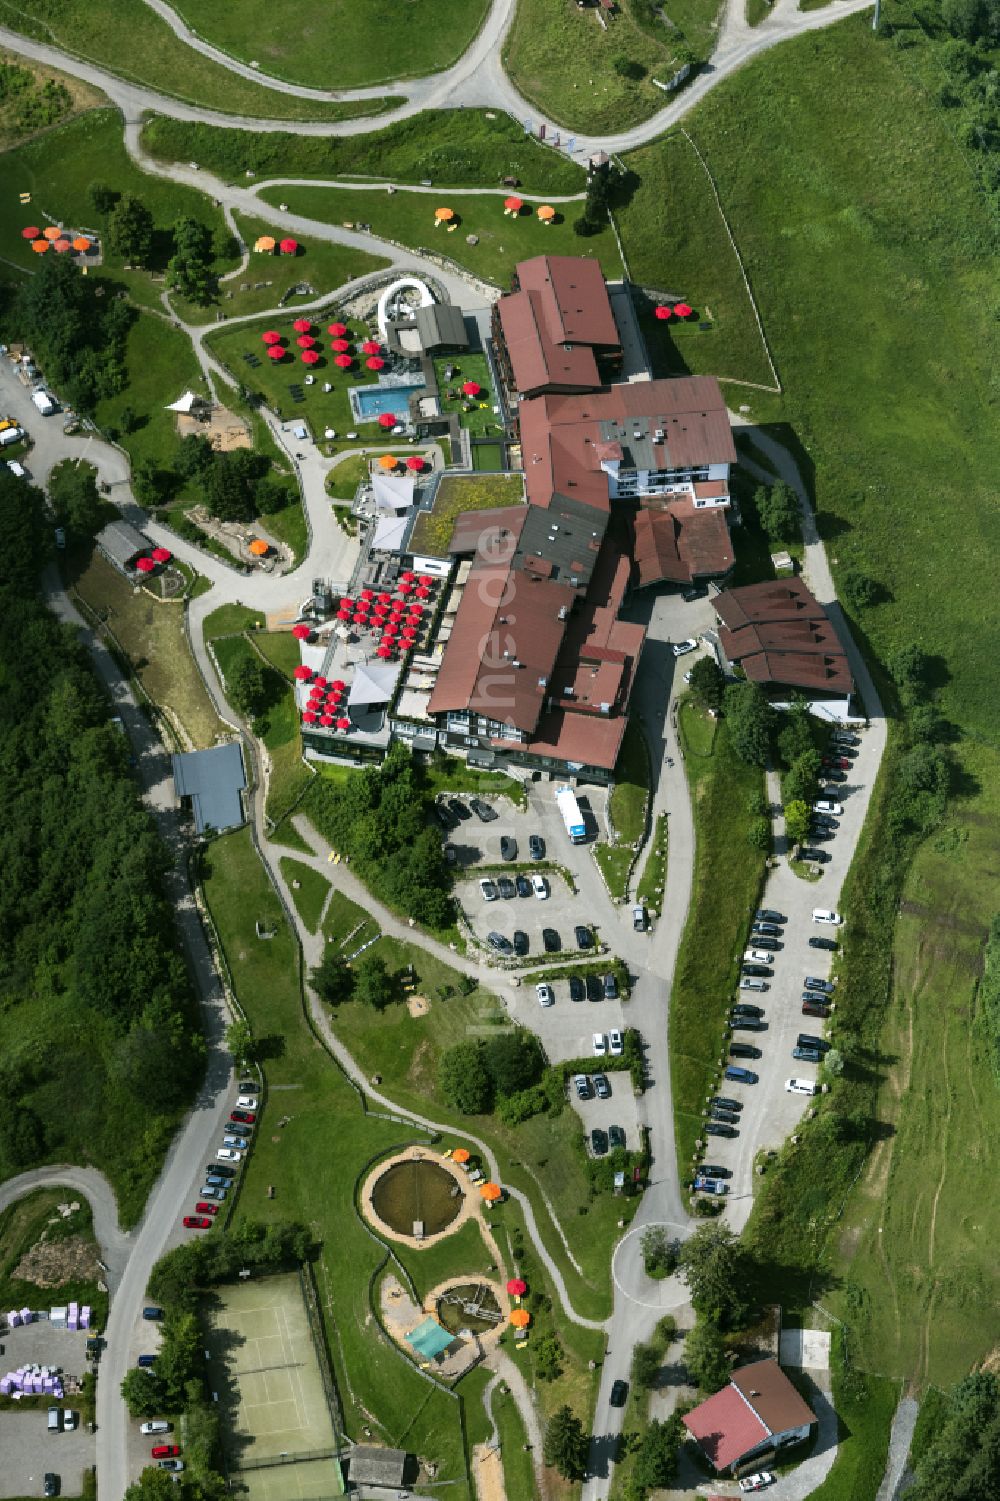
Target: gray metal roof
{"points": [[441, 323], [568, 534], [213, 780], [370, 1465], [122, 542]]}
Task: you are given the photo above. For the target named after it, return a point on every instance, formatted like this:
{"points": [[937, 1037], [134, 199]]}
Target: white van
{"points": [[749, 983], [9, 435], [823, 914], [55, 1420]]}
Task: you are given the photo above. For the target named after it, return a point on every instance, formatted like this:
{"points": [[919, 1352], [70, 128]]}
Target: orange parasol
{"points": [[265, 242], [461, 1154], [444, 213], [259, 548], [51, 232], [82, 244], [546, 213], [40, 246], [520, 1318], [491, 1192], [387, 461]]}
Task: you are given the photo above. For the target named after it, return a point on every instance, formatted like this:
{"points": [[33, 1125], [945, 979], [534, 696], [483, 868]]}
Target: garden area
{"points": [[457, 494], [475, 410], [320, 264]]}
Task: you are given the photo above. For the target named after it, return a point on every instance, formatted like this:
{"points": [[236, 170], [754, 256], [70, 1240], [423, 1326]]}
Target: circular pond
{"points": [[469, 1306], [416, 1192]]}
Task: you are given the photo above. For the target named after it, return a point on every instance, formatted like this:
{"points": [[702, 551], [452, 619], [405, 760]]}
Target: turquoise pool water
{"points": [[369, 402]]}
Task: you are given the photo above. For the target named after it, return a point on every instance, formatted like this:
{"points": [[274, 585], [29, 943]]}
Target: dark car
{"points": [[551, 942], [807, 1055], [824, 943], [766, 929], [581, 1083], [523, 885], [599, 1142], [824, 821], [536, 846], [807, 1040], [602, 1086], [444, 818], [450, 854], [595, 991], [725, 1103], [220, 1171], [713, 1170], [520, 941], [816, 857], [577, 989], [499, 943], [506, 888], [834, 776], [508, 847], [458, 808], [616, 1138], [50, 1484], [765, 914], [821, 836], [152, 1313], [619, 1393], [813, 982], [756, 969], [743, 1050], [770, 944], [728, 1116], [235, 1130], [719, 1128], [746, 1008], [610, 987], [815, 1008], [146, 1362], [584, 937], [483, 811], [746, 1023]]}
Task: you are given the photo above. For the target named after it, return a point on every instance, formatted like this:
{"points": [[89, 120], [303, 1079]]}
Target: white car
{"points": [[545, 994], [801, 1086], [69, 1420], [156, 1426], [681, 648], [600, 1045], [824, 806], [487, 890], [233, 1141], [757, 1482], [246, 1102], [540, 887], [758, 956], [228, 1154], [616, 1043], [823, 914]]}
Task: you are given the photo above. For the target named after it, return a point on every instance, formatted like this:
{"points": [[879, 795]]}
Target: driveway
{"points": [[619, 1110]]}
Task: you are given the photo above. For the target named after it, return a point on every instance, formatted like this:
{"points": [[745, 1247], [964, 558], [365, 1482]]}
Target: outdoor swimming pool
{"points": [[369, 402]]}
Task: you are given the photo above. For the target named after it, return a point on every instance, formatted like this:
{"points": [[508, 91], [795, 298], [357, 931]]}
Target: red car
{"points": [[204, 1208], [165, 1451], [246, 1117], [840, 762], [197, 1222]]}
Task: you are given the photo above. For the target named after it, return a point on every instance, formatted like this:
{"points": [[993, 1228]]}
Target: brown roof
{"points": [[778, 633], [575, 298], [772, 1396], [681, 543], [776, 599], [536, 360], [592, 739]]}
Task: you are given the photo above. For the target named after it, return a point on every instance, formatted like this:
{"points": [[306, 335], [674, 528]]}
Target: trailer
{"points": [[571, 816]]}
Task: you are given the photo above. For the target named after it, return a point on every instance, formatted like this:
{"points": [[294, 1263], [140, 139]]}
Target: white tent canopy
{"points": [[374, 683], [390, 532], [186, 403], [393, 492]]}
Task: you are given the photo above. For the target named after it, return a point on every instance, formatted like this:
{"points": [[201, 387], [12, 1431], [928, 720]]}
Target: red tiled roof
{"points": [[778, 633], [491, 535], [535, 360], [681, 543], [575, 298], [726, 1427], [775, 599]]}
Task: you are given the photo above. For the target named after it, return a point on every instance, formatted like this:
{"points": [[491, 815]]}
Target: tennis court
{"points": [[278, 1431]]}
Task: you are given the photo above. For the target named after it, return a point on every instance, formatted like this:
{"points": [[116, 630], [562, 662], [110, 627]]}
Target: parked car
{"points": [[725, 1102], [577, 990], [757, 956], [599, 1142], [203, 1207], [233, 1141], [196, 1222], [619, 1393], [813, 982], [824, 915], [820, 835], [743, 1050], [815, 1008], [458, 808], [824, 821], [761, 970], [600, 1045], [540, 887], [807, 1040], [765, 930], [444, 818], [551, 942], [717, 1128], [825, 805], [706, 1185], [681, 648], [145, 1363], [506, 888], [216, 1190], [842, 763], [450, 854], [523, 885], [830, 775], [739, 1075], [50, 1482], [807, 1055], [488, 890], [845, 737], [247, 1102], [616, 1138], [595, 990], [536, 846], [581, 1083], [746, 1008], [165, 1451], [749, 982], [714, 1170], [222, 1173], [766, 914], [801, 1086], [69, 1420], [639, 919], [243, 1117], [584, 937], [616, 1043], [156, 1425], [499, 943], [520, 942], [757, 1482], [235, 1129], [770, 945], [170, 1464], [610, 986], [824, 943], [729, 1116], [545, 994], [602, 1086], [814, 856], [746, 1023], [482, 810], [228, 1154], [508, 847], [152, 1312]]}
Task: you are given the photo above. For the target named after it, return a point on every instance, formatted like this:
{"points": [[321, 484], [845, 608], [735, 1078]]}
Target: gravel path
{"points": [[900, 1438]]}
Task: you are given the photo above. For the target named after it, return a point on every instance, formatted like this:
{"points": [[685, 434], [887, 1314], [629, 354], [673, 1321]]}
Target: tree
{"points": [[655, 1464], [194, 456], [795, 735], [707, 683], [962, 1460], [800, 782], [239, 1041], [130, 230], [714, 1265], [705, 1352], [548, 1358], [566, 1444], [373, 983], [464, 1079], [180, 1357], [796, 821], [659, 1252], [646, 1363], [152, 1485], [332, 978], [627, 67], [246, 686], [750, 720], [834, 1063], [142, 1392], [859, 589], [778, 509], [964, 18], [189, 270], [76, 504], [759, 835], [515, 1060], [102, 198], [231, 483], [908, 667]]}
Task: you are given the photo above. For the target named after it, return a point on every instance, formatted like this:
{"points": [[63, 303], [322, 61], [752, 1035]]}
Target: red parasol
{"points": [[310, 357], [340, 346], [301, 632], [338, 329], [682, 310], [271, 337], [408, 576], [161, 555], [338, 685], [662, 312], [343, 724], [305, 341], [275, 352], [326, 720], [375, 362], [344, 615], [517, 1287], [343, 360], [425, 579], [310, 717], [288, 247], [513, 205], [345, 599], [371, 346], [368, 594], [302, 325], [31, 233], [302, 673], [145, 565], [387, 419], [415, 463], [471, 388], [423, 593], [320, 680], [385, 598], [385, 652]]}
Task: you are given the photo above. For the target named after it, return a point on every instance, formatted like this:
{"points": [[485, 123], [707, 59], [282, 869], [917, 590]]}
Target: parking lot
{"points": [[567, 1028], [621, 1109], [30, 1451]]}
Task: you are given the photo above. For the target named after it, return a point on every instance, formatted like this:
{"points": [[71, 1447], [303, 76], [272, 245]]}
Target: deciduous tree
{"points": [[707, 683], [705, 1354], [130, 230], [749, 721], [714, 1265], [373, 984], [464, 1079], [332, 979]]}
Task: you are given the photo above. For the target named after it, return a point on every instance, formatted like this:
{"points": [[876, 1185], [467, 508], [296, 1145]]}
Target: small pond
{"points": [[417, 1190]]}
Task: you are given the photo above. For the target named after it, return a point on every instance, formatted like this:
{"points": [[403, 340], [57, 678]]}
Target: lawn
{"points": [[158, 60], [865, 1406], [49, 97], [615, 862], [631, 790], [344, 479], [458, 148], [709, 957], [408, 218], [654, 870], [319, 264], [314, 1162], [277, 727], [457, 494], [151, 633], [474, 412], [309, 891], [452, 774], [161, 367], [518, 1470], [675, 240], [341, 45], [346, 920]]}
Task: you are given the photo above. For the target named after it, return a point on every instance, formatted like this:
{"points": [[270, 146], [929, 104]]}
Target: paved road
{"points": [[900, 1438]]}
